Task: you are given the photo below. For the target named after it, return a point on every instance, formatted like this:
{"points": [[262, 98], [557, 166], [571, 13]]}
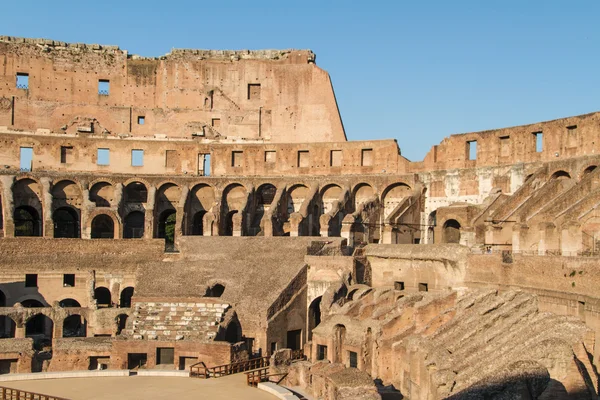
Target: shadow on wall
{"points": [[13, 292]]}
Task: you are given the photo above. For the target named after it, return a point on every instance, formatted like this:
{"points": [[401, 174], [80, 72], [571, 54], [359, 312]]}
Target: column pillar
{"points": [[48, 227], [149, 214], [8, 205]]}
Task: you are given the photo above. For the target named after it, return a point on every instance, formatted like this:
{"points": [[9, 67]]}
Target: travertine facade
{"points": [[237, 220]]}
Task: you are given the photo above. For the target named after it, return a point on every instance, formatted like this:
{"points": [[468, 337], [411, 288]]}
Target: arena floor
{"points": [[145, 387]]}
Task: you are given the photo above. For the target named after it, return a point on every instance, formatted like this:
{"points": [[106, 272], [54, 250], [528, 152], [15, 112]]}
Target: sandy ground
{"points": [[231, 387]]}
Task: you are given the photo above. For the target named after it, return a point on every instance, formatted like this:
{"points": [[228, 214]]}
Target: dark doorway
{"points": [[27, 222], [66, 223], [102, 296], [198, 223], [165, 355], [121, 323], [215, 290], [314, 315], [133, 227], [233, 334], [126, 295], [294, 339], [69, 303], [136, 360], [74, 326], [451, 231], [229, 223], [166, 226], [103, 227]]}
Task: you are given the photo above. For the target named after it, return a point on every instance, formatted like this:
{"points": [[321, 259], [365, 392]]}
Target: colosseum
{"points": [[202, 213]]}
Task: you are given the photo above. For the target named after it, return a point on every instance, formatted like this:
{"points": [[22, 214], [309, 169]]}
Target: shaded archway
{"points": [[39, 326], [121, 322], [198, 223], [103, 227], [560, 175], [589, 170], [233, 333], [451, 233], [229, 223], [125, 299], [263, 199], [32, 303], [102, 194], [27, 221], [166, 226], [7, 325], [135, 192], [69, 303], [201, 200], [215, 291], [66, 223], [314, 315], [235, 197], [133, 225], [74, 326], [102, 296]]}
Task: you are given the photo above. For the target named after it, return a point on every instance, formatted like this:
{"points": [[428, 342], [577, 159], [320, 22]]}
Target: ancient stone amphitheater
{"points": [[203, 211]]}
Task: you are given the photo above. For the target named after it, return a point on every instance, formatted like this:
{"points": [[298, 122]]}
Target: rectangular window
{"points": [[472, 149], [504, 146], [31, 280], [165, 355], [321, 352], [273, 347], [270, 156], [539, 141], [137, 158], [22, 80], [399, 285], [353, 359], [66, 154], [572, 136], [171, 159], [69, 280], [204, 164], [141, 120], [335, 158], [366, 157], [237, 158], [216, 122], [103, 87], [253, 91], [103, 157], [26, 158], [423, 287], [303, 161]]}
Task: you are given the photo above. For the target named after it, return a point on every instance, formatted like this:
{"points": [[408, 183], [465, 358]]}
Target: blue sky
{"points": [[413, 71]]}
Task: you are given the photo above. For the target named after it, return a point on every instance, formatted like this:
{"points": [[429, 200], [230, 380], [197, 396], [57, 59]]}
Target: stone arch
{"points": [[361, 193], [31, 302], [66, 193], [135, 192], [69, 302], [201, 200], [294, 198], [263, 200], [216, 290], [330, 196], [589, 169], [560, 174], [28, 221], [235, 197], [66, 222], [7, 324], [125, 298], [102, 194], [103, 297], [233, 332], [103, 227], [167, 196], [134, 225], [166, 223], [40, 327], [393, 195], [451, 231], [314, 315], [74, 325]]}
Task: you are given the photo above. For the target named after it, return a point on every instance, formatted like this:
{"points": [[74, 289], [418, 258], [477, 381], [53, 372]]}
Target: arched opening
{"points": [[7, 325], [102, 296], [431, 224], [103, 227], [166, 226], [66, 223], [135, 192], [121, 323], [133, 225], [330, 204], [32, 303], [451, 231], [314, 315], [560, 175], [229, 223], [264, 197], [589, 169], [198, 223], [40, 328], [102, 194], [27, 221], [233, 333], [125, 299], [74, 326], [215, 290], [64, 303]]}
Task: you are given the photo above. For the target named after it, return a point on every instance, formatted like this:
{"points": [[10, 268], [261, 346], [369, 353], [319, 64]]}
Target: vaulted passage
{"points": [[66, 223], [133, 226], [103, 227], [451, 231], [27, 222]]}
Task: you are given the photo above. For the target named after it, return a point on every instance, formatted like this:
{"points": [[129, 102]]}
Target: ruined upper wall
{"points": [[266, 95], [540, 142]]}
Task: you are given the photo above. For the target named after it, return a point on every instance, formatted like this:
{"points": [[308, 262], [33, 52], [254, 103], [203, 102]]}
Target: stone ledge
{"points": [[66, 374], [277, 391]]}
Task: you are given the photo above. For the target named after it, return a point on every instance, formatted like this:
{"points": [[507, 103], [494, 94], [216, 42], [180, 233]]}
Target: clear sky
{"points": [[415, 71]]}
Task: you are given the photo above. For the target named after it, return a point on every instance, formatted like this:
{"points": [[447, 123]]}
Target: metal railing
{"points": [[17, 394], [253, 378], [200, 370]]}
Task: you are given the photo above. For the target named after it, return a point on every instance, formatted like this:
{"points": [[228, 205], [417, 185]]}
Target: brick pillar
{"points": [[295, 221], [149, 216], [48, 223], [86, 206], [8, 205]]}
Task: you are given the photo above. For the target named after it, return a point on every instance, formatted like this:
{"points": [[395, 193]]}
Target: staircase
{"points": [[176, 321]]}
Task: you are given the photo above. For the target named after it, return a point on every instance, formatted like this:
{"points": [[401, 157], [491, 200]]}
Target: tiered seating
{"points": [[176, 321]]}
